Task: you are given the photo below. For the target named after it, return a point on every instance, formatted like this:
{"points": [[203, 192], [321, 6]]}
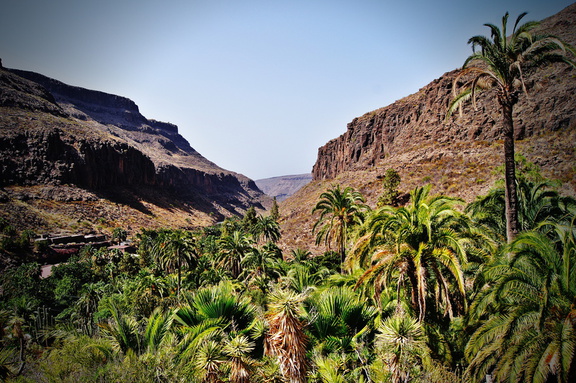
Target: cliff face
{"points": [[459, 158], [413, 128], [53, 134]]}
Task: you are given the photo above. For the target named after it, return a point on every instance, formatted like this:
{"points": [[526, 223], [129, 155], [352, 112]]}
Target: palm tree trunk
{"points": [[510, 172], [342, 245]]}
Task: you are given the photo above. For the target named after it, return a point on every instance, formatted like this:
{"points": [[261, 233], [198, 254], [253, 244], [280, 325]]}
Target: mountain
{"points": [[284, 186], [76, 159], [458, 157]]}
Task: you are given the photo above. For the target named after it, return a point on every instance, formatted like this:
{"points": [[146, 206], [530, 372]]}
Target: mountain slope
{"points": [[70, 155], [459, 157], [283, 187]]}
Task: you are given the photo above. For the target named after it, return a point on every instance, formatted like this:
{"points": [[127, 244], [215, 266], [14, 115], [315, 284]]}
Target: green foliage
{"points": [[421, 247], [524, 315], [339, 210], [390, 183], [119, 234], [275, 212], [20, 284], [249, 220], [240, 313], [68, 279]]}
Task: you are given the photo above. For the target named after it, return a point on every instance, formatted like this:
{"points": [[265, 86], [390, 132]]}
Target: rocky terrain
{"points": [[72, 158], [458, 157], [284, 186]]}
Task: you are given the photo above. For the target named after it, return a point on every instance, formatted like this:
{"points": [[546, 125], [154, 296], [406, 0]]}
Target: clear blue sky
{"points": [[255, 86]]}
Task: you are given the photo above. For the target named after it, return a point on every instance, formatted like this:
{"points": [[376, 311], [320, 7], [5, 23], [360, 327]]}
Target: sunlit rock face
{"points": [[416, 124]]}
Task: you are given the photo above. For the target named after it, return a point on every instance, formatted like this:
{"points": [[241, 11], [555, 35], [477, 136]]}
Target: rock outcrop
{"points": [[459, 157], [414, 128], [53, 134]]}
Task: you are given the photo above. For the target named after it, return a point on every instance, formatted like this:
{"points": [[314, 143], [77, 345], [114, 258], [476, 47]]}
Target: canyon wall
{"points": [[416, 123]]}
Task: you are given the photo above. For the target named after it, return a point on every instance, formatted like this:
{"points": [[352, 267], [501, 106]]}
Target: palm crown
{"points": [[500, 61]]}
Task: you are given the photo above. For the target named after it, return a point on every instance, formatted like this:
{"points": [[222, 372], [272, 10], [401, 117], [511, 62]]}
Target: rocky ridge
{"points": [[99, 147], [283, 187], [414, 129], [458, 157]]}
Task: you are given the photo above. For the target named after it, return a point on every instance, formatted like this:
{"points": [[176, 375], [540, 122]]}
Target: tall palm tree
{"points": [[500, 64], [339, 210], [420, 248], [173, 250], [525, 317]]}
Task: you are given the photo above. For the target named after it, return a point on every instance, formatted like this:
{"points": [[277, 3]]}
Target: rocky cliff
{"points": [[458, 157], [412, 130], [54, 135]]}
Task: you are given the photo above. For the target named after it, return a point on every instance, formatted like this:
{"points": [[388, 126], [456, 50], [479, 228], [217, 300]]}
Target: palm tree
{"points": [[221, 302], [300, 255], [232, 250], [123, 331], [157, 329], [525, 316], [401, 342], [339, 210], [303, 276], [422, 248], [238, 351], [338, 315], [261, 266], [174, 249], [537, 202], [267, 228], [500, 64], [208, 362], [286, 339]]}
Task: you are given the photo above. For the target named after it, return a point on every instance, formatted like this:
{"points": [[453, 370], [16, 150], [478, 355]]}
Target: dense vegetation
{"points": [[431, 290], [428, 292]]}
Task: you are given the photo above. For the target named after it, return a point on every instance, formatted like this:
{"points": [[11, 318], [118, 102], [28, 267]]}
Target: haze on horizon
{"points": [[255, 86]]}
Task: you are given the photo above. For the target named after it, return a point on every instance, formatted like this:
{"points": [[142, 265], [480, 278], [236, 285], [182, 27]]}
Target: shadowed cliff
{"points": [[54, 135]]}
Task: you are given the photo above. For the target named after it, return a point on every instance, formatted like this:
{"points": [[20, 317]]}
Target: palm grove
{"points": [[431, 290]]}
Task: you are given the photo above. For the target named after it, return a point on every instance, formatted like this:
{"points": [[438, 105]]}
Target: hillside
{"points": [[457, 157], [73, 159], [284, 186]]}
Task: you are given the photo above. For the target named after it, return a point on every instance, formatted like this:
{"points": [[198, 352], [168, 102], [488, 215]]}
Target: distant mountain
{"points": [[284, 186], [73, 158]]}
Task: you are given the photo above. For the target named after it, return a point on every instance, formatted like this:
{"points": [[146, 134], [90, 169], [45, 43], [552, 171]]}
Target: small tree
{"points": [[249, 220], [390, 183], [339, 210], [274, 212], [119, 235], [286, 339]]}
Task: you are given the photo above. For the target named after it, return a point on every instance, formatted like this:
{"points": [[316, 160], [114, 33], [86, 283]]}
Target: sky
{"points": [[256, 86]]}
